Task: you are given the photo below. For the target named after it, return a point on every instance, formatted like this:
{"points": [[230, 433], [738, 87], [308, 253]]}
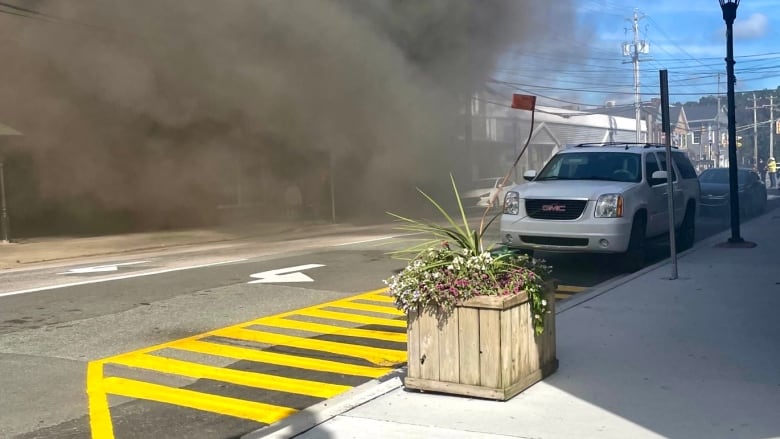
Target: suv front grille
{"points": [[555, 209], [552, 240]]}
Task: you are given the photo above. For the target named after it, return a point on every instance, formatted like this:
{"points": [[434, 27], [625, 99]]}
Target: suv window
{"points": [[684, 165], [611, 166], [662, 160]]}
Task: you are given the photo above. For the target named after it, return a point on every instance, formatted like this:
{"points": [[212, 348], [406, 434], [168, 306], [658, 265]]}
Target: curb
{"points": [[324, 411]]}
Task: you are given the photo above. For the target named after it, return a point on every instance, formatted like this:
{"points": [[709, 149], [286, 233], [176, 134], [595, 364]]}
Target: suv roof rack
{"points": [[626, 145]]}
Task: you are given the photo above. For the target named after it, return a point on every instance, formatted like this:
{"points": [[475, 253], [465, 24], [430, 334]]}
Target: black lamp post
{"points": [[729, 8]]}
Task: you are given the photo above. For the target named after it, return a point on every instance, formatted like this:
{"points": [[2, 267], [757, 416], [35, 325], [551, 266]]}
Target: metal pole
{"points": [[3, 207], [755, 131], [669, 181], [717, 128], [729, 14], [772, 126]]}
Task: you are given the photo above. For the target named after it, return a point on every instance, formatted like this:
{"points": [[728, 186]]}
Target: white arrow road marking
{"points": [[100, 268], [124, 276], [281, 275]]}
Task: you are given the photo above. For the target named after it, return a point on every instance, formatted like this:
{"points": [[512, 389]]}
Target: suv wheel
{"points": [[634, 258], [687, 233]]}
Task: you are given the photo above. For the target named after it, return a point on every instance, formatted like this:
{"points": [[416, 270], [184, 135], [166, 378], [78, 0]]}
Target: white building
{"points": [[499, 134]]}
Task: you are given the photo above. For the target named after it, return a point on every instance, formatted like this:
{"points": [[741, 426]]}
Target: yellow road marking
{"points": [[570, 289], [239, 353], [332, 329], [354, 318], [99, 414], [364, 307], [99, 387], [223, 405], [378, 298], [239, 377], [378, 356]]}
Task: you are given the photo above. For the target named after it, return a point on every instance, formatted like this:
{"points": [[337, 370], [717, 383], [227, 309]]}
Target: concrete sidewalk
{"points": [[640, 357]]}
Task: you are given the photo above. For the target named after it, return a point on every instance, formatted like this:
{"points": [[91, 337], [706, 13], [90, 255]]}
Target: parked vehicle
{"points": [[602, 198], [483, 190], [716, 195]]}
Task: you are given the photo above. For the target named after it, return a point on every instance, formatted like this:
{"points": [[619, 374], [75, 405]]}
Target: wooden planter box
{"points": [[486, 348]]}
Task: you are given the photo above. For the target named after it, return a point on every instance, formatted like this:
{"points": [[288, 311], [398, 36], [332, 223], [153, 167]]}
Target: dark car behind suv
{"points": [[715, 192]]}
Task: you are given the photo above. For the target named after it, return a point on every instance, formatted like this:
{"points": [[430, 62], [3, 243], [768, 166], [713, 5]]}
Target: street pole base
{"points": [[741, 243]]}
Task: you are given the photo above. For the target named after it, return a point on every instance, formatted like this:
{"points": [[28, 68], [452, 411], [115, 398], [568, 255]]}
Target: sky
{"points": [[687, 38]]}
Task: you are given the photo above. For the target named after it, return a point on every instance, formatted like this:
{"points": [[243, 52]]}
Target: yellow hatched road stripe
{"points": [[239, 353], [332, 329], [99, 414], [223, 405], [378, 356], [354, 318], [562, 296], [570, 289], [364, 307], [239, 377], [377, 298]]}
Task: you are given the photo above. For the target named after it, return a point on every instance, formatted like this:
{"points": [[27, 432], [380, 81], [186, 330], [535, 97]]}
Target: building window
{"points": [[696, 137]]}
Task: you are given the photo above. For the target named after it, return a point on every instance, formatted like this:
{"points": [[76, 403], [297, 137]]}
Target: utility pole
{"points": [[755, 131], [634, 49], [772, 126]]}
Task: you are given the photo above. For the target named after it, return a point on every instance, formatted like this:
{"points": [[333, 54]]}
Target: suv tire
{"points": [[686, 235], [634, 258]]}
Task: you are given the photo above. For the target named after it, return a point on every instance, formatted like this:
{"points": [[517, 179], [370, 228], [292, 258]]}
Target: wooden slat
{"points": [[490, 348], [509, 345], [429, 347], [468, 345], [449, 367], [454, 388], [530, 343], [524, 362], [494, 302], [413, 345]]}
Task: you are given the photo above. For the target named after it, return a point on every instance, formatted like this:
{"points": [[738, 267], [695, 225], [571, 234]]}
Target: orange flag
{"points": [[523, 102]]}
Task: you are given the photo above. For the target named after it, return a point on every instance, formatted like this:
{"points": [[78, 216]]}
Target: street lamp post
{"points": [[729, 8]]}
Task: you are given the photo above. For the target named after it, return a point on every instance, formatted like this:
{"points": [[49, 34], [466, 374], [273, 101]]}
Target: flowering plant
{"points": [[453, 266]]}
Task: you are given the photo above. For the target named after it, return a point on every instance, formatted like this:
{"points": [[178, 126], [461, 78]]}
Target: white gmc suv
{"points": [[602, 198]]}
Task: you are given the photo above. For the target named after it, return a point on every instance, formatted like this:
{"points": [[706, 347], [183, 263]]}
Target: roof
{"points": [[615, 147], [701, 112], [627, 111]]}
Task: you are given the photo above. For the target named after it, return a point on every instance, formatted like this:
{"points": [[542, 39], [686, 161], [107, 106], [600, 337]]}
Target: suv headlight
{"points": [[609, 206], [512, 203]]}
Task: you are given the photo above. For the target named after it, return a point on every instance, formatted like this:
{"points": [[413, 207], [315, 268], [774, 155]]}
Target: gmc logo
{"points": [[554, 208]]}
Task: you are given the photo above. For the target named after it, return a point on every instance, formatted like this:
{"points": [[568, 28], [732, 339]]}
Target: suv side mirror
{"points": [[529, 175], [658, 177]]}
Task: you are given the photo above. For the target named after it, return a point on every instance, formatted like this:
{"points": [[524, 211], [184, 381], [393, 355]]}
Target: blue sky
{"points": [[685, 37]]}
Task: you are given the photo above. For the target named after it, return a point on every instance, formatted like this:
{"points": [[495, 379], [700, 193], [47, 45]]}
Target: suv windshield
{"points": [[610, 166]]}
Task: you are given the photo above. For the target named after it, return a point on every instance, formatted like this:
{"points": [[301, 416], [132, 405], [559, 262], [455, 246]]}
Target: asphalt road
{"points": [[193, 345]]}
